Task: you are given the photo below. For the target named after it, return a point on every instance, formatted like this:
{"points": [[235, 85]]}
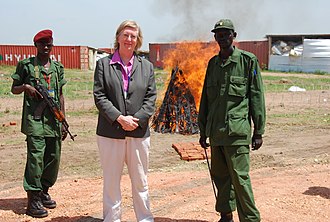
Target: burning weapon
{"points": [[177, 113]]}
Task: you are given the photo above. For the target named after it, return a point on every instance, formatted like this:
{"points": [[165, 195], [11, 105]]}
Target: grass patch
{"points": [[279, 83], [5, 69], [6, 80], [80, 82], [79, 85], [83, 112], [306, 117]]}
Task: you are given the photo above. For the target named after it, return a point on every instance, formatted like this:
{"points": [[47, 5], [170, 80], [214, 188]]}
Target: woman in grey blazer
{"points": [[125, 94]]}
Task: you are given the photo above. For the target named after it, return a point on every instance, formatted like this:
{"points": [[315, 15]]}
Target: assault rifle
{"points": [[54, 108]]}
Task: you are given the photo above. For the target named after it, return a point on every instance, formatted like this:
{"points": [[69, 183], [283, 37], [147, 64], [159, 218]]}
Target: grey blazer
{"points": [[110, 101]]}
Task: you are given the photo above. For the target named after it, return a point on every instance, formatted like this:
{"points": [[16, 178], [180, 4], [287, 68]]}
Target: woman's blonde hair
{"points": [[131, 24]]}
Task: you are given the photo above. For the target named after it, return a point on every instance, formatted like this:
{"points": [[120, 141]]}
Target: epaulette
{"points": [[59, 64], [27, 61], [248, 54], [215, 59]]}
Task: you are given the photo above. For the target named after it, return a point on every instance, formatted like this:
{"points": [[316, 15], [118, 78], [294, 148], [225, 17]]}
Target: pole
{"points": [[208, 165]]}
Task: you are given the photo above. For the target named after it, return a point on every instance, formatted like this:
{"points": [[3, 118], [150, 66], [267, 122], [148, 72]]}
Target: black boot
{"points": [[46, 199], [35, 207], [226, 217]]}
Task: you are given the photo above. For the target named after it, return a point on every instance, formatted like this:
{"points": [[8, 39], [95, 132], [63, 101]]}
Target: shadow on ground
{"points": [[318, 191], [17, 205], [165, 219]]}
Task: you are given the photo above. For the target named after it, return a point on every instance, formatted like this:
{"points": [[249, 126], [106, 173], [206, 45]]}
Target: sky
{"points": [[94, 23]]}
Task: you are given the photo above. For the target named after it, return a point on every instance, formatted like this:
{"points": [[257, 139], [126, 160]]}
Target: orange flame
{"points": [[192, 59]]}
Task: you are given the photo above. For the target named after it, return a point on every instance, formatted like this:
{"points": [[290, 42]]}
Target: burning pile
{"points": [[179, 110], [177, 113]]}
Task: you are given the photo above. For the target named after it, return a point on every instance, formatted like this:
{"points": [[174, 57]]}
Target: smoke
{"points": [[189, 18], [195, 18], [253, 19]]}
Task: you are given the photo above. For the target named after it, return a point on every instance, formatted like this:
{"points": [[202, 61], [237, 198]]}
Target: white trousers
{"points": [[114, 153]]}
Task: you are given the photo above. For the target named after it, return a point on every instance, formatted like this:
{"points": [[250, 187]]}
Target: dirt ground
{"points": [[290, 173]]}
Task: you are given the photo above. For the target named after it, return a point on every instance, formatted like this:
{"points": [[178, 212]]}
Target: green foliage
{"points": [[319, 72]]}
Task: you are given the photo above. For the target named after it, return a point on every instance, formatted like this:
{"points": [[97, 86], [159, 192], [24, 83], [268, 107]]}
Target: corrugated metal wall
{"points": [[314, 57], [259, 48], [11, 54], [83, 57], [299, 53], [69, 55], [72, 57]]}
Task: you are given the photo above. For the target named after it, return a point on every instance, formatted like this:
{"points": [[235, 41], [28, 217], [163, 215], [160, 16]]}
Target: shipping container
{"points": [[72, 57], [157, 51], [259, 48]]}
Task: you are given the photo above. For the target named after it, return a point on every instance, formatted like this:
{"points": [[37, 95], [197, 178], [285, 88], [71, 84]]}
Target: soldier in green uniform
{"points": [[42, 129], [232, 99]]}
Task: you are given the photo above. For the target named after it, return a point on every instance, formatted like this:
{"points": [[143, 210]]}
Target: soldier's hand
{"points": [[31, 91], [203, 143], [256, 141], [64, 134]]}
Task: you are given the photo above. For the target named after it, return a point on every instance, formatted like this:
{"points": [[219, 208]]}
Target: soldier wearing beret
{"points": [[42, 129], [232, 99]]}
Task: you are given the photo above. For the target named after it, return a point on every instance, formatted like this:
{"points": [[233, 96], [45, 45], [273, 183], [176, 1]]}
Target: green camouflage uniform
{"points": [[43, 136], [232, 98]]}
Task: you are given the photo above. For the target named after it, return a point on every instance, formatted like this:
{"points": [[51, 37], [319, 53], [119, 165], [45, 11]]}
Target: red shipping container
{"points": [[72, 57], [259, 48]]}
